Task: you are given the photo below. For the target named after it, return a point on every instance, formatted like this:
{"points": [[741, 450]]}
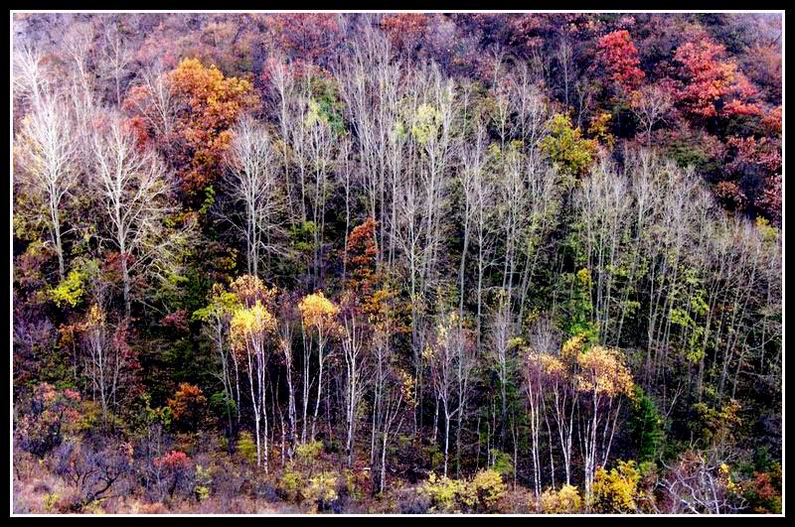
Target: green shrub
{"points": [[246, 447], [454, 495], [503, 464], [50, 500], [70, 290], [353, 483], [290, 485], [203, 481], [646, 425], [202, 493], [570, 152], [309, 452]]}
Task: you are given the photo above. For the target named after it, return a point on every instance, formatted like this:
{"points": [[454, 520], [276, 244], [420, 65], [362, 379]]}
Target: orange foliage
{"points": [[214, 103], [251, 289], [731, 195], [362, 253], [604, 372], [188, 405]]}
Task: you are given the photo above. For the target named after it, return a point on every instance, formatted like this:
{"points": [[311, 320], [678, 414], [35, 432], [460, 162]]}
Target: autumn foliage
{"points": [[711, 85], [214, 102], [397, 262], [617, 54]]}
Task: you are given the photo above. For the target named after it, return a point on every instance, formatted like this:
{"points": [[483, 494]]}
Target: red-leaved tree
{"points": [[618, 57]]}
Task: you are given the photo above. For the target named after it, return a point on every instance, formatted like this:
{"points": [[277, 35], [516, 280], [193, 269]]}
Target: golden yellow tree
{"points": [[250, 331], [603, 378], [318, 317]]}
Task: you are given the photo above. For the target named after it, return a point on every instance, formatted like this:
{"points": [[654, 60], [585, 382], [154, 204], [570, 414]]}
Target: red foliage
{"points": [[139, 104], [710, 84], [760, 158], [174, 460], [362, 254], [764, 492], [618, 56], [72, 395], [525, 30], [28, 271], [177, 320], [138, 125], [406, 31], [112, 264], [762, 63], [40, 430], [126, 354], [752, 153], [772, 121], [310, 36], [771, 201]]}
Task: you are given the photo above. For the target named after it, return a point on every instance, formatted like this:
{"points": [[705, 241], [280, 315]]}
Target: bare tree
{"points": [[155, 101], [254, 185], [320, 143], [107, 356], [424, 196], [30, 78], [116, 57], [372, 84], [565, 63], [354, 330], [394, 390], [451, 359], [132, 190], [286, 326], [48, 155], [501, 331], [529, 106], [78, 47], [605, 206], [650, 105], [481, 193], [699, 484]]}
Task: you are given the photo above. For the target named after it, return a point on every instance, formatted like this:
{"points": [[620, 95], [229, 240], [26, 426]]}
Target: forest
{"points": [[397, 263]]}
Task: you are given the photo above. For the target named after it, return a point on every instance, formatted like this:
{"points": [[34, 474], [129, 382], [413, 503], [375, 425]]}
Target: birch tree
{"points": [[132, 190], [318, 316], [450, 358], [354, 341], [253, 184], [251, 329], [48, 154]]}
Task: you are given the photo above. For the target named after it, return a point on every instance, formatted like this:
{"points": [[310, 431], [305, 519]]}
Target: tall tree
{"points": [[133, 192], [254, 185], [48, 154]]}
